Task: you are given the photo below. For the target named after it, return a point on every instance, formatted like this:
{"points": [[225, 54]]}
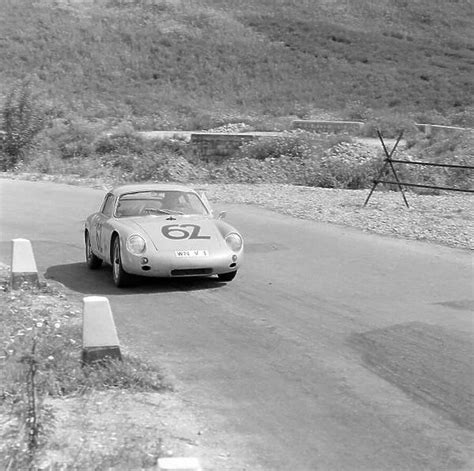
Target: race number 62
{"points": [[178, 232]]}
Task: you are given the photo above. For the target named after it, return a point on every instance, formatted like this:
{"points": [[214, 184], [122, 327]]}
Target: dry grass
{"points": [[41, 329]]}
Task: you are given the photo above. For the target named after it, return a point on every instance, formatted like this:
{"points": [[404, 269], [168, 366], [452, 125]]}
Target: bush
{"points": [[431, 117], [455, 149], [23, 118], [296, 144], [332, 163], [43, 162], [390, 126], [72, 138], [177, 146], [140, 160], [126, 141], [244, 170], [357, 111], [464, 118], [350, 166], [148, 166]]}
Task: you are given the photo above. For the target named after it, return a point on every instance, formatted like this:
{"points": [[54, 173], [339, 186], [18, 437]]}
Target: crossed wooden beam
{"points": [[388, 162]]}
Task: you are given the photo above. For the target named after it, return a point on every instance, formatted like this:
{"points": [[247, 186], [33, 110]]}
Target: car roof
{"points": [[132, 188]]}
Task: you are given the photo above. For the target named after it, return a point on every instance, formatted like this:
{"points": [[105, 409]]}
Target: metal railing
{"points": [[389, 163]]}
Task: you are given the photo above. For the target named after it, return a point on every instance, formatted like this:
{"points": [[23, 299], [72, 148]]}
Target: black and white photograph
{"points": [[236, 235]]}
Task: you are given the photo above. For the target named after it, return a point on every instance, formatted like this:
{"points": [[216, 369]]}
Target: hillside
{"points": [[193, 63]]}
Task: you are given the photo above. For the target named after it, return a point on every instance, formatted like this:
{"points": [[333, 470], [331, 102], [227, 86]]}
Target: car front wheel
{"points": [[227, 276], [120, 276], [93, 262]]}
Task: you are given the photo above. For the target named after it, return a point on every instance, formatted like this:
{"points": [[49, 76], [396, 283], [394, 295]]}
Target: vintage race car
{"points": [[161, 230]]}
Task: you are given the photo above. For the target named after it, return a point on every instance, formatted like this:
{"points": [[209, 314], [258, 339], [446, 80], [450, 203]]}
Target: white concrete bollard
{"points": [[179, 464], [99, 335], [23, 264]]}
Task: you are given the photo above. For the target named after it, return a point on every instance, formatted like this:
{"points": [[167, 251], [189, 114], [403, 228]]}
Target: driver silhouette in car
{"points": [[175, 201]]}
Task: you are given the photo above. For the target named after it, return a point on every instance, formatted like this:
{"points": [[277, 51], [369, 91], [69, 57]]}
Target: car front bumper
{"points": [[167, 264]]}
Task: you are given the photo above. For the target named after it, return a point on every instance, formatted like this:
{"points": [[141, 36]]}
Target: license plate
{"points": [[191, 253]]}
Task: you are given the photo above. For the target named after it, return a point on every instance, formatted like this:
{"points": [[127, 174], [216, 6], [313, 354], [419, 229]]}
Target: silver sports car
{"points": [[161, 230]]}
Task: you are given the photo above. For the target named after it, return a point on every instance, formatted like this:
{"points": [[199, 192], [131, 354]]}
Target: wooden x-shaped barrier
{"points": [[388, 162]]}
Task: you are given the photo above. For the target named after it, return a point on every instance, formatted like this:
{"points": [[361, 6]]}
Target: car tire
{"points": [[227, 276], [93, 262], [120, 276]]}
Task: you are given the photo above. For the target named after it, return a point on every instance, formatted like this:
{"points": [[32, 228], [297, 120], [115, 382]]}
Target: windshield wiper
{"points": [[171, 211]]}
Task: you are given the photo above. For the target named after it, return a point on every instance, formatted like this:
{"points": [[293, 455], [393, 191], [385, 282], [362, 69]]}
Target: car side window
{"points": [[108, 206]]}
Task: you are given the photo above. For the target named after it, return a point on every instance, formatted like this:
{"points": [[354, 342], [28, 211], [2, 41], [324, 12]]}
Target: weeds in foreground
{"points": [[40, 335]]}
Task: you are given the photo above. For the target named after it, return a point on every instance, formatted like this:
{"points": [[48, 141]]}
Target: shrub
{"points": [[296, 144], [245, 170], [43, 162], [357, 111], [120, 150], [390, 126], [464, 118], [342, 165], [147, 166], [347, 165], [453, 149], [175, 145], [166, 166], [23, 119], [126, 141], [72, 138], [431, 117]]}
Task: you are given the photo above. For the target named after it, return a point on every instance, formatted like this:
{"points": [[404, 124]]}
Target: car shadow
{"points": [[78, 277]]}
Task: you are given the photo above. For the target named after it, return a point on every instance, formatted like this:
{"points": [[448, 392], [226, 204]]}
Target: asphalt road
{"points": [[332, 349]]}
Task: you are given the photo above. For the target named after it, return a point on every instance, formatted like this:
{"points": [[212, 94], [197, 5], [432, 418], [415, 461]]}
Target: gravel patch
{"points": [[446, 219], [442, 219]]}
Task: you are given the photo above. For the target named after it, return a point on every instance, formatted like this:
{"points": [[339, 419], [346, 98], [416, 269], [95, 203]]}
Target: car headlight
{"points": [[234, 241], [136, 244]]}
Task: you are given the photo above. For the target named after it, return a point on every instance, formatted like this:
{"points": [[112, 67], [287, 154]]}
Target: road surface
{"points": [[332, 349]]}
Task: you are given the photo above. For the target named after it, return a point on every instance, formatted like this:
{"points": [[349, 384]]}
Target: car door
{"points": [[99, 226]]}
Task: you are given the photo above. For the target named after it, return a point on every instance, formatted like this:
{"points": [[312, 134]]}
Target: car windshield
{"points": [[159, 202]]}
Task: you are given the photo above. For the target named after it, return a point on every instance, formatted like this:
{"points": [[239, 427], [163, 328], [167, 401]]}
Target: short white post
{"points": [[99, 335], [23, 264]]}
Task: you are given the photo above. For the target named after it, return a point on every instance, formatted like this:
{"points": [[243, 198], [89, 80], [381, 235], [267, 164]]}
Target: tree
{"points": [[23, 118]]}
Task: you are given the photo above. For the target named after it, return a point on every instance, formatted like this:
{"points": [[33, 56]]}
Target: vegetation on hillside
{"points": [[294, 157], [77, 72], [189, 64]]}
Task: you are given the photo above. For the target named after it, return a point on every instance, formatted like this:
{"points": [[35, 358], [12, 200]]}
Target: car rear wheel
{"points": [[120, 276], [227, 276], [93, 262]]}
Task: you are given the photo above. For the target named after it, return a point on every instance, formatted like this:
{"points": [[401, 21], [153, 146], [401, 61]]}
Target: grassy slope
{"points": [[180, 61]]}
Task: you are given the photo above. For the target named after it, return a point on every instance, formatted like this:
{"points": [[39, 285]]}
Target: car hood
{"points": [[181, 232]]}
